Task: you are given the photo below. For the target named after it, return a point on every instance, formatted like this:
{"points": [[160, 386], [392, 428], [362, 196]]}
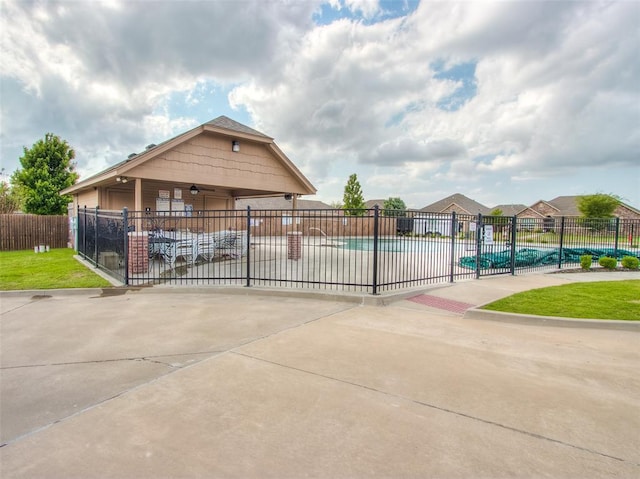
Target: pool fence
{"points": [[372, 251]]}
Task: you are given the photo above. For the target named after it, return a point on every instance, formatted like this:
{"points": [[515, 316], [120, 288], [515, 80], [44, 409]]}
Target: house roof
{"points": [[566, 205], [279, 203], [459, 203], [510, 209], [371, 203], [227, 123], [221, 125]]}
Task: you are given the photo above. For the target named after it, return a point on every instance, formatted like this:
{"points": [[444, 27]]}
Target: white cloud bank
{"points": [[548, 98]]}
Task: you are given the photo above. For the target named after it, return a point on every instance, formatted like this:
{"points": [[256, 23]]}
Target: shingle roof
{"points": [[467, 204], [220, 122], [509, 210], [567, 205], [229, 124], [371, 203]]}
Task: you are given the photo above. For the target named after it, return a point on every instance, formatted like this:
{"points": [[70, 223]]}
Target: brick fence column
{"points": [[294, 245], [138, 252]]}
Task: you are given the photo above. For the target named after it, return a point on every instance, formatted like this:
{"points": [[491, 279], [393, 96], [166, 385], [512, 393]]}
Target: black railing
{"points": [[374, 251]]}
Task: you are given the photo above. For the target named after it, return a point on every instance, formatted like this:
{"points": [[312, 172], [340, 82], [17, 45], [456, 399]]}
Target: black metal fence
{"points": [[376, 251]]}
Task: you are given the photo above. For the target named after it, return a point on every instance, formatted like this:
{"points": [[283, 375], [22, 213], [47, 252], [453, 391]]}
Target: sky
{"points": [[506, 102]]}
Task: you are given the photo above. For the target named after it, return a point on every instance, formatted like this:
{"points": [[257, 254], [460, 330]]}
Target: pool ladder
{"points": [[327, 241]]}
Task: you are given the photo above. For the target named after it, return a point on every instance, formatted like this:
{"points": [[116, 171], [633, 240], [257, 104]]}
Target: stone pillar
{"points": [[138, 252], [294, 245]]}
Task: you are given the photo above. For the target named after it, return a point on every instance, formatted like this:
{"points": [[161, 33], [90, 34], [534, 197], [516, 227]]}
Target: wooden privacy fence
{"points": [[20, 232]]}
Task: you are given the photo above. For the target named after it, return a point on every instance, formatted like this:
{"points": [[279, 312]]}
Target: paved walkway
{"points": [[165, 383]]}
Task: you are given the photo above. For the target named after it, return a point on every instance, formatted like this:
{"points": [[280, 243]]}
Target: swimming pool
{"points": [[394, 245]]}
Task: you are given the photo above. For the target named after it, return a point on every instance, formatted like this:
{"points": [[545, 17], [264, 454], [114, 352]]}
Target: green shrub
{"points": [[608, 263], [585, 261], [630, 262]]}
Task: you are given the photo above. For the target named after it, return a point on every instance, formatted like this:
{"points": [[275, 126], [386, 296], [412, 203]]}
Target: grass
{"points": [[20, 270], [598, 300]]}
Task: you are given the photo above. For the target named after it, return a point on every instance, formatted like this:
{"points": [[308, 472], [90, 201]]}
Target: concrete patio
{"points": [[168, 382]]}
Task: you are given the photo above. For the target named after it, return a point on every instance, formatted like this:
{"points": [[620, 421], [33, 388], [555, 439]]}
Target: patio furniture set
{"points": [[168, 246]]}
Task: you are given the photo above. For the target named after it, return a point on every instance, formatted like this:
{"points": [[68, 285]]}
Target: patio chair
{"points": [[179, 249], [206, 247], [232, 244]]}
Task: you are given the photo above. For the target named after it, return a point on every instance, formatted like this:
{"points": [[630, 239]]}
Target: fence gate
{"points": [[496, 245]]}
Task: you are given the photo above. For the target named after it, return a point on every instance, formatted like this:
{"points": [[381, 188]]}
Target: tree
{"points": [[47, 168], [394, 207], [599, 205], [597, 210], [499, 222], [495, 218], [9, 199], [353, 201]]}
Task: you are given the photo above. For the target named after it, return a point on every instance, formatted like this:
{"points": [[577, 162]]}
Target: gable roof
{"points": [[566, 205], [227, 123], [371, 203], [509, 210], [221, 125], [457, 202]]}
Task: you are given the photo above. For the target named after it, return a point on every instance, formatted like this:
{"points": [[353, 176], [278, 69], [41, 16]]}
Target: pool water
{"points": [[389, 245]]}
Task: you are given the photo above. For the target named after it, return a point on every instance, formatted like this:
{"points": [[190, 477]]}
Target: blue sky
{"points": [[505, 102]]}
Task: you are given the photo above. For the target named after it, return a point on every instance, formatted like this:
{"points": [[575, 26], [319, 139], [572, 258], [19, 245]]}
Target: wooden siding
{"points": [[209, 158]]}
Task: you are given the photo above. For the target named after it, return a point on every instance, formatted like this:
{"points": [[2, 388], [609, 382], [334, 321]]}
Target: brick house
{"points": [[567, 206], [457, 203]]}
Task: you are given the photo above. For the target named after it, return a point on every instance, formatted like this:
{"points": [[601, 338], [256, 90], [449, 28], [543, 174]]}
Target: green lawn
{"points": [[599, 300], [55, 269]]}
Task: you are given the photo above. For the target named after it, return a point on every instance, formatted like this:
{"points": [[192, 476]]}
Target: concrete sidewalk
{"points": [[162, 383]]}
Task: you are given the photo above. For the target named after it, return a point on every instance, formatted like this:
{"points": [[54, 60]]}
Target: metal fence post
{"points": [[454, 231], [95, 245], [125, 221], [561, 247], [375, 249], [513, 234], [84, 234], [248, 246], [84, 244], [617, 236], [479, 239]]}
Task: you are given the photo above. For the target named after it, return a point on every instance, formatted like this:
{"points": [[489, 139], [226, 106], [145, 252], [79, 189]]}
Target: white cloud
{"points": [[555, 92], [368, 8]]}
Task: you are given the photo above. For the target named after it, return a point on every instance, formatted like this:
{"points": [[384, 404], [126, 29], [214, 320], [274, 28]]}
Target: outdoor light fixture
{"points": [[235, 146], [288, 196], [122, 179], [194, 190]]}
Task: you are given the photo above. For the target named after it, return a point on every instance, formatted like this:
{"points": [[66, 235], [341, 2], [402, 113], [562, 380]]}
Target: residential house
{"points": [[509, 209], [566, 206], [457, 203]]}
